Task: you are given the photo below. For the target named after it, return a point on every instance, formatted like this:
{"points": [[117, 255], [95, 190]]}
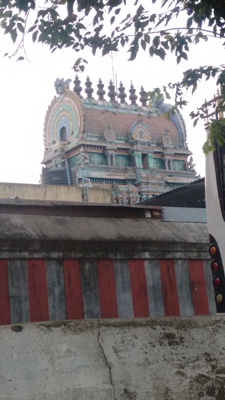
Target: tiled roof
{"points": [[191, 195], [96, 121]]}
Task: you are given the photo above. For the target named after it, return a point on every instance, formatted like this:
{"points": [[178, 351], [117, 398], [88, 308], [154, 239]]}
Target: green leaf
{"points": [[152, 18], [80, 26], [165, 44], [13, 35], [143, 44], [20, 27], [151, 51], [189, 22], [184, 55], [160, 21], [3, 24], [160, 52], [7, 14], [32, 28], [156, 41], [195, 122], [122, 41], [42, 13], [133, 56], [147, 38]]}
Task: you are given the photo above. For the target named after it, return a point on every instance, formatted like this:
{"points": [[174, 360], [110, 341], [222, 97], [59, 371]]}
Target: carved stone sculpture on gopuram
{"points": [[115, 140]]}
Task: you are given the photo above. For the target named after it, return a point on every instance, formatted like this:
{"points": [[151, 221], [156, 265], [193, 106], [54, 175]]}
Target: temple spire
{"points": [[100, 91], [143, 99], [77, 88], [112, 93], [122, 95], [89, 90], [133, 96]]}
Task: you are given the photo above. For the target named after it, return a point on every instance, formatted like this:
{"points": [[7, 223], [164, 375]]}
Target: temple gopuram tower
{"points": [[118, 143]]}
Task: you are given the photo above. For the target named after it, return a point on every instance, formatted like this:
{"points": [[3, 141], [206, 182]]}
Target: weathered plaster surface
{"points": [[53, 193], [156, 359], [41, 227]]}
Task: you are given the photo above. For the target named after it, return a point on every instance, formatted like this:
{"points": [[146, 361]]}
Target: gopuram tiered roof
{"points": [[129, 146]]}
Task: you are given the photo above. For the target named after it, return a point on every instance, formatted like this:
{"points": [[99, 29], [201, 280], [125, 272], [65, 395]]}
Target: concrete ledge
{"points": [[157, 359], [53, 192], [44, 227]]}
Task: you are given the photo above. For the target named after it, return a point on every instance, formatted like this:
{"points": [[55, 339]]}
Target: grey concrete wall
{"points": [[53, 193], [157, 359], [63, 228]]}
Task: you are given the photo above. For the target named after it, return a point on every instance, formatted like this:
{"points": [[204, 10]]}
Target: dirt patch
{"points": [[127, 395], [75, 327], [205, 385], [16, 328], [171, 338]]}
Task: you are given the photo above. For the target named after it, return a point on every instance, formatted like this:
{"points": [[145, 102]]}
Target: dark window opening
{"points": [[145, 161], [62, 134]]}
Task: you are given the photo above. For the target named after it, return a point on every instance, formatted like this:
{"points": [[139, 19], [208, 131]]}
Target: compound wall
{"points": [[35, 290], [146, 359], [111, 263], [53, 193], [104, 268]]}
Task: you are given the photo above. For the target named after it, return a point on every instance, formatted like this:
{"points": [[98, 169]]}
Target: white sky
{"points": [[27, 88]]}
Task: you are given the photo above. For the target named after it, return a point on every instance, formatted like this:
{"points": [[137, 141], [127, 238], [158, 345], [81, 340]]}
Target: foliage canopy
{"points": [[108, 25]]}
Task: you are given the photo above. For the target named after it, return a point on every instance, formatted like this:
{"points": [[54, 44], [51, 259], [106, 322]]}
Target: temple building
{"points": [[135, 149]]}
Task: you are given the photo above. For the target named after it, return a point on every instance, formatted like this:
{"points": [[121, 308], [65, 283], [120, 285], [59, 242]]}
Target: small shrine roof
{"points": [[117, 119], [120, 122]]}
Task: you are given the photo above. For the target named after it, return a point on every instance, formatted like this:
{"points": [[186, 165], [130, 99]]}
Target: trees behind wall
{"points": [[158, 27]]}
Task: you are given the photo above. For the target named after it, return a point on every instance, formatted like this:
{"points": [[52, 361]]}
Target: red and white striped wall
{"points": [[53, 289]]}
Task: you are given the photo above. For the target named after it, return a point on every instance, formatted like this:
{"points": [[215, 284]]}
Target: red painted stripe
{"points": [[139, 288], [73, 290], [107, 289], [198, 287], [37, 289], [169, 288], [5, 317]]}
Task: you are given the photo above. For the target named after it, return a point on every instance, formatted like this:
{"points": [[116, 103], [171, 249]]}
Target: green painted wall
{"points": [[122, 161], [97, 158], [158, 163], [178, 165], [72, 161], [150, 161]]}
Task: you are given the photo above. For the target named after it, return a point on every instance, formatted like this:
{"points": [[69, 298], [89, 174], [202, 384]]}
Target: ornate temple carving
{"points": [[140, 131], [60, 86], [117, 143], [109, 135], [166, 139]]}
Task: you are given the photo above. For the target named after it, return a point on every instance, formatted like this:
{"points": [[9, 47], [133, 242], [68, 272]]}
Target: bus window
{"points": [[215, 211], [219, 159]]}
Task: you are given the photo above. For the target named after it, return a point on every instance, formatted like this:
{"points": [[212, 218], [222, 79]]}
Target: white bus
{"points": [[215, 210]]}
